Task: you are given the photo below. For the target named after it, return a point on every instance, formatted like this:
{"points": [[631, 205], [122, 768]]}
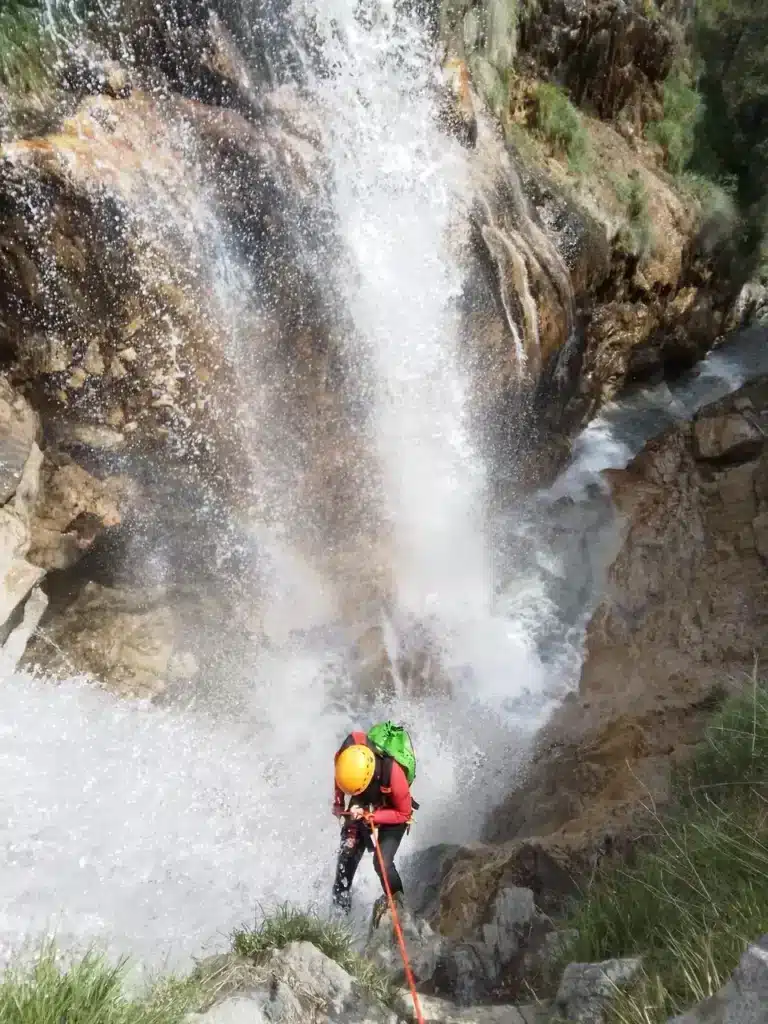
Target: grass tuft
{"points": [[637, 238], [288, 924], [87, 992], [692, 902], [25, 52], [676, 131], [560, 123]]}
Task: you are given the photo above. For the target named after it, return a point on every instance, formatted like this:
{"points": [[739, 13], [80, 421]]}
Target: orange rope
{"points": [[398, 929]]}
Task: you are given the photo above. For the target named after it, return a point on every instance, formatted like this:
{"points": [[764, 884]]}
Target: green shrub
{"points": [[676, 131], [88, 992], [730, 46], [637, 238], [288, 924], [560, 123], [691, 902], [24, 46]]}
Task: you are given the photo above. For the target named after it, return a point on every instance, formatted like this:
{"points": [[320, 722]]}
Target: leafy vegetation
{"points": [[560, 123], [288, 924], [24, 46], [731, 138], [91, 991], [675, 132], [692, 901], [88, 992], [630, 191]]}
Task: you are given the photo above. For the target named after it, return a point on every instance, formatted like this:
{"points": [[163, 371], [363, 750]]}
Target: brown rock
{"points": [[684, 616], [731, 437], [123, 637], [18, 432], [610, 55], [550, 868], [73, 508]]}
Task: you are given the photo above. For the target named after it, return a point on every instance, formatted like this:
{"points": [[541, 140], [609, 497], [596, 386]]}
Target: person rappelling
{"points": [[376, 771]]}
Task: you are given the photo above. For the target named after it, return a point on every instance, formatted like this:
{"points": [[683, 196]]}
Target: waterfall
{"points": [[398, 185], [156, 830]]}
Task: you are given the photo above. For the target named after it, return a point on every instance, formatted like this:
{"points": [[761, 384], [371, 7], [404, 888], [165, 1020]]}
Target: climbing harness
{"points": [[395, 921]]}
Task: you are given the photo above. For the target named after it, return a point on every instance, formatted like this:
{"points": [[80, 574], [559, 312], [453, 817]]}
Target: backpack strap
{"points": [[386, 779]]}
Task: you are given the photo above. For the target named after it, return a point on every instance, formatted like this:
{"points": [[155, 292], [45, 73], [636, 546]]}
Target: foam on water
{"points": [[156, 831], [621, 429]]}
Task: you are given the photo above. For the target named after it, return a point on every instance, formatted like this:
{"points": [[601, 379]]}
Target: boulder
{"points": [[744, 1000], [321, 981], [423, 873], [235, 1010], [123, 637], [727, 438], [587, 990], [510, 920], [548, 866], [19, 428], [424, 946], [466, 968], [297, 985]]}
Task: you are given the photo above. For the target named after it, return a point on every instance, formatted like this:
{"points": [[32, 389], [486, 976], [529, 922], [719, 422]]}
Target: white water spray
{"points": [[402, 193], [155, 832]]}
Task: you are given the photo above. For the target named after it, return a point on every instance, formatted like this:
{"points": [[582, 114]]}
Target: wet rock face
{"points": [[123, 638], [684, 616], [111, 305], [608, 53], [19, 429], [52, 511]]}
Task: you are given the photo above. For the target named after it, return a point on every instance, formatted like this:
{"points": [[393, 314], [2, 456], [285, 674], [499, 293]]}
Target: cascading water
{"points": [[154, 831], [401, 190]]}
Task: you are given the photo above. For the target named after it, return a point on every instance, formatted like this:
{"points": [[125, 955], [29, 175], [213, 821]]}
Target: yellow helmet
{"points": [[354, 769]]}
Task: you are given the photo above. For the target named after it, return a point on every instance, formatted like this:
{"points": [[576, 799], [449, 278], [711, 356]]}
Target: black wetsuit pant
{"points": [[356, 838]]}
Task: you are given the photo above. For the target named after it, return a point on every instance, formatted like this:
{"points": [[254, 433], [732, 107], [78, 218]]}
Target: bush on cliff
{"points": [[731, 138], [560, 123], [692, 901], [676, 131]]}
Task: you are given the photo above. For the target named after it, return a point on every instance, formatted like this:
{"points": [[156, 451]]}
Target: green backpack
{"points": [[393, 740]]}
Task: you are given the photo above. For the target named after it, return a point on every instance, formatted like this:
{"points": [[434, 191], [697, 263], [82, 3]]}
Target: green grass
{"points": [[692, 901], [288, 924], [637, 237], [88, 992], [560, 123], [25, 50], [91, 990], [676, 131]]}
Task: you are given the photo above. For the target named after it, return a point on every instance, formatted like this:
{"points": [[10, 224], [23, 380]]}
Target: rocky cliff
{"points": [[164, 243], [681, 625]]}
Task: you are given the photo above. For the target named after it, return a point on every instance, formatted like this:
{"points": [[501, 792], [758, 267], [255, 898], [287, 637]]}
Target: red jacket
{"points": [[400, 807]]}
